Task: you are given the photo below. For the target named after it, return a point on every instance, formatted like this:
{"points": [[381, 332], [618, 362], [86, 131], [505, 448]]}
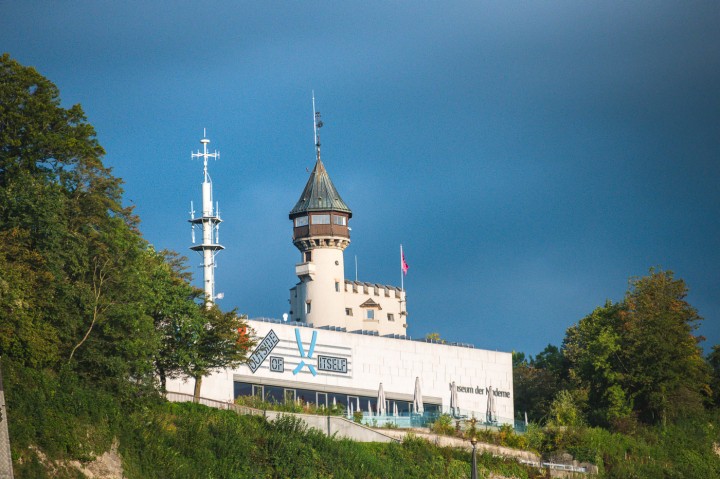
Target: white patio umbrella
{"points": [[350, 410], [395, 409], [381, 401], [454, 405], [370, 411], [417, 397], [357, 408], [334, 402], [491, 416]]}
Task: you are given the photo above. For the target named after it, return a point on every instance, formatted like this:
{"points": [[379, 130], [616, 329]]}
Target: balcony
{"points": [[305, 269]]}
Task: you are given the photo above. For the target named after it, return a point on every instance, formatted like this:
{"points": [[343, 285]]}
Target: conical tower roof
{"points": [[319, 194]]}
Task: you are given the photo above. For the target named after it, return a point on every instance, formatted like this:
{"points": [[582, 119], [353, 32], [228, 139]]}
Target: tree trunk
{"points": [[198, 383], [163, 380]]}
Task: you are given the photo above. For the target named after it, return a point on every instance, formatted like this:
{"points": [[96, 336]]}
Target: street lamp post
{"points": [[473, 471], [473, 441]]}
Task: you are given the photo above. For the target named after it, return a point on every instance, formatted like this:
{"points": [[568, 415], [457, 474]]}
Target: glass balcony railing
{"points": [[461, 417]]}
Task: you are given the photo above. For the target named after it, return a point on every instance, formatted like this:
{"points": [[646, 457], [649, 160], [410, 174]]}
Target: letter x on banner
{"points": [[302, 352]]}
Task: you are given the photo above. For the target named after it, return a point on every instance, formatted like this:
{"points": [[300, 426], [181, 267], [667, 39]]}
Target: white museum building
{"points": [[344, 340]]}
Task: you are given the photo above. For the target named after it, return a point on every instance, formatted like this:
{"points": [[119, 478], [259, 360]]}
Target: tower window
{"points": [[339, 220], [307, 256], [391, 317], [321, 219], [337, 287], [370, 314], [348, 312], [307, 307], [301, 221]]}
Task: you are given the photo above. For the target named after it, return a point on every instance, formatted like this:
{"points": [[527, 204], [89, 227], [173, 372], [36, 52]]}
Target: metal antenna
{"points": [[208, 223]]}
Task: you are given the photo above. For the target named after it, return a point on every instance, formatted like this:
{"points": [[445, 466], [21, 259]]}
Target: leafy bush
{"points": [[358, 417], [443, 425], [290, 406]]}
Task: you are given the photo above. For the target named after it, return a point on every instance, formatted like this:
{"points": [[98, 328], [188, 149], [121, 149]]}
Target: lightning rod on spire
{"points": [[317, 123]]}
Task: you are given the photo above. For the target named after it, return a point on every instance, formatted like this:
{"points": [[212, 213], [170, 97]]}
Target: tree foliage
{"points": [[640, 358], [69, 250], [79, 286], [537, 381], [714, 363], [217, 342]]}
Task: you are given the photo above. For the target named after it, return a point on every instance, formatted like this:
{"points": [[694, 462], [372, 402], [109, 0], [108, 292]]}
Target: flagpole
{"points": [[402, 280]]}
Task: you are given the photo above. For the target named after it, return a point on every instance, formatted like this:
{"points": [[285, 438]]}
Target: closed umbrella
{"points": [[491, 416], [417, 397], [395, 409], [370, 411], [381, 401], [454, 406]]}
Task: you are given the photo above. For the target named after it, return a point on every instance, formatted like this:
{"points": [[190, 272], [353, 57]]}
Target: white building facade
{"points": [[294, 362]]}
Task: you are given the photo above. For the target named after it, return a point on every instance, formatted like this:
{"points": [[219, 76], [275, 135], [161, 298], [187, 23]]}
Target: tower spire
{"points": [[317, 124], [209, 223]]}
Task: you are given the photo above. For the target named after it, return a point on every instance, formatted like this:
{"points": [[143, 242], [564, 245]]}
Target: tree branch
{"points": [[99, 277]]}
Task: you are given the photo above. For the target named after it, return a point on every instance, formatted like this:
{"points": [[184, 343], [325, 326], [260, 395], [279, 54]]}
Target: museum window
{"points": [[348, 312], [337, 287], [258, 391], [308, 256], [391, 317], [301, 221], [307, 307], [321, 219], [370, 314]]}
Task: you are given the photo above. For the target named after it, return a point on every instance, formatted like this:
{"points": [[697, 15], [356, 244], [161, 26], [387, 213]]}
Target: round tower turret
{"points": [[321, 232]]}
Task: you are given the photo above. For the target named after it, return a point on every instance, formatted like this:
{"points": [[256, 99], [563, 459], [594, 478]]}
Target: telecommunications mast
{"points": [[209, 222]]}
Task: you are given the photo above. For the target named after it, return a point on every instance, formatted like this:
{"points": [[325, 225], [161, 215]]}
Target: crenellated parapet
{"points": [[375, 289]]}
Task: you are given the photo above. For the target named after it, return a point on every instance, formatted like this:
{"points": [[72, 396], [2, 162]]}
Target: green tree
{"points": [[593, 348], [667, 374], [518, 359], [174, 306], [714, 362], [218, 341], [69, 245], [564, 410], [435, 337], [551, 359], [537, 380], [534, 390], [640, 357]]}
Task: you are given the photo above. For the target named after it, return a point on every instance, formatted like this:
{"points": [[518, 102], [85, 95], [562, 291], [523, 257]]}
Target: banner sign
{"points": [[277, 364], [263, 350], [332, 364]]}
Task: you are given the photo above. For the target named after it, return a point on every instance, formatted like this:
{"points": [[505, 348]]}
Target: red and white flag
{"points": [[403, 264]]}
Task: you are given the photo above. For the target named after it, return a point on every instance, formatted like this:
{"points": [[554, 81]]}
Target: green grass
{"points": [[68, 419]]}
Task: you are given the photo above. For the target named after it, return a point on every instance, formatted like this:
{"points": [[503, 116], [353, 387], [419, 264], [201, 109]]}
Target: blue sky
{"points": [[530, 156]]}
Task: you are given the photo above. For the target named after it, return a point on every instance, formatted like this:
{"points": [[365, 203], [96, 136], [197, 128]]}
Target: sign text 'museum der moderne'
{"points": [[479, 390]]}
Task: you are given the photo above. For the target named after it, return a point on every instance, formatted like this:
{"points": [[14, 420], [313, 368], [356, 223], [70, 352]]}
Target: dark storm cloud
{"points": [[530, 157]]}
